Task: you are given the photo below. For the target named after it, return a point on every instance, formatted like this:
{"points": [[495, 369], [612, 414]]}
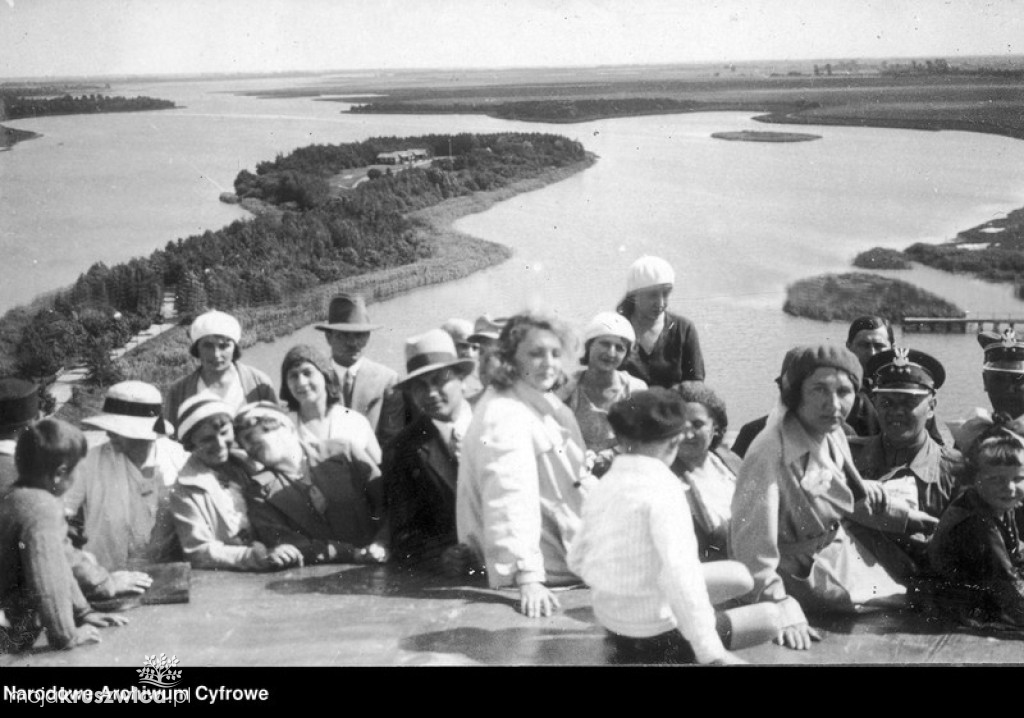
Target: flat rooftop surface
{"points": [[336, 615]]}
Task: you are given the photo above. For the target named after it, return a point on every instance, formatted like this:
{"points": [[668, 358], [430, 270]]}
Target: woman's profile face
{"points": [[216, 352], [651, 302], [538, 359], [306, 383], [826, 398], [607, 352], [698, 433]]}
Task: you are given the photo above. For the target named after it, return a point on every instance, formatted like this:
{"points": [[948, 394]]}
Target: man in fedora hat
{"points": [[19, 407], [918, 474], [421, 469], [486, 335], [121, 495], [363, 384], [460, 331]]}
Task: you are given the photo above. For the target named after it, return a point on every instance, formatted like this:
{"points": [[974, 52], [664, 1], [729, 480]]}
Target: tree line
{"points": [[16, 106], [318, 236]]}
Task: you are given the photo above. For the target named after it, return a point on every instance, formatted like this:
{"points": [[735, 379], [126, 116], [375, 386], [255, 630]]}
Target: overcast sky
{"points": [[40, 38]]}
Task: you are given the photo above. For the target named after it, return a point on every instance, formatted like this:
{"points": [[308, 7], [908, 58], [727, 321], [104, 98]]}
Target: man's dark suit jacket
{"points": [[419, 488]]}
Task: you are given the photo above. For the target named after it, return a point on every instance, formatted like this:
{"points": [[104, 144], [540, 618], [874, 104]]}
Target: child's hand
{"points": [[536, 600], [130, 582], [85, 634], [797, 636], [104, 620], [284, 555]]}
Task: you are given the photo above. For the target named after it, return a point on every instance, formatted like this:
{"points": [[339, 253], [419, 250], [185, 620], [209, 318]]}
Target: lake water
{"points": [[738, 220]]}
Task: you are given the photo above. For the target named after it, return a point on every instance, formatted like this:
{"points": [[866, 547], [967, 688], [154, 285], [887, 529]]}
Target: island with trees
{"points": [[19, 102], [277, 270], [844, 297]]}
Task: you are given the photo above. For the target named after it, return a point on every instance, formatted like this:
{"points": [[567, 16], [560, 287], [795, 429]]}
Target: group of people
{"points": [[494, 456]]}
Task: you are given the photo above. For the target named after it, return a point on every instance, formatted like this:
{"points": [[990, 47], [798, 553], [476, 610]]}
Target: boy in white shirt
{"points": [[637, 551]]}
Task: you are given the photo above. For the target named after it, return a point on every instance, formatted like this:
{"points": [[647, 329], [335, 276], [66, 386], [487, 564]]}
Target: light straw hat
{"points": [[133, 409], [430, 351]]}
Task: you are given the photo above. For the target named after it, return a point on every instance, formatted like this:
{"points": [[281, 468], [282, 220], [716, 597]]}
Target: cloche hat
{"points": [[214, 323], [649, 272]]}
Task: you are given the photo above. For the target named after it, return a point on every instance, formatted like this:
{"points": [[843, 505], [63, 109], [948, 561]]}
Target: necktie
{"points": [[455, 443], [346, 389]]}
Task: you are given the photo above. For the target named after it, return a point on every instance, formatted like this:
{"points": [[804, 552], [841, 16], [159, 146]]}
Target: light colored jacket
{"points": [[205, 521], [522, 480]]}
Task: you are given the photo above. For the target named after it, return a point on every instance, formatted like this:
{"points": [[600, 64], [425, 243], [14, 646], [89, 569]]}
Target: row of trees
{"points": [[15, 106], [319, 239]]}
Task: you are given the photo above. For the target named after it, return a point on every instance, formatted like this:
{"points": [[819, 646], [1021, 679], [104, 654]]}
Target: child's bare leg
{"points": [[726, 580]]}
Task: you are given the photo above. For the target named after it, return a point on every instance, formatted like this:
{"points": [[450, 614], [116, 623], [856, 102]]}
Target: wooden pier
{"points": [[958, 325]]}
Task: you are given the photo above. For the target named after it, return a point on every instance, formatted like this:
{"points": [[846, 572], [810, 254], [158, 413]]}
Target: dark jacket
{"points": [[419, 487], [979, 555], [339, 509], [675, 356]]}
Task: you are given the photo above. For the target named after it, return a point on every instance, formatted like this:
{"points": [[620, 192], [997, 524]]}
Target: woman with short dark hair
{"points": [[796, 488], [667, 349]]}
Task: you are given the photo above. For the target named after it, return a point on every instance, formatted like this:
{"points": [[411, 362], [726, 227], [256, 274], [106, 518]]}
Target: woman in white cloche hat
{"points": [[591, 391], [215, 338], [667, 350]]}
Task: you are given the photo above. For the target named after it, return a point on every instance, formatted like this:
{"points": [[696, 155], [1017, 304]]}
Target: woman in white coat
{"points": [[522, 473]]}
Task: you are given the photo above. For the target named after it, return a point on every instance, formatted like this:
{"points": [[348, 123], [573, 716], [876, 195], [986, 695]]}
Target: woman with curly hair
{"points": [[522, 470]]}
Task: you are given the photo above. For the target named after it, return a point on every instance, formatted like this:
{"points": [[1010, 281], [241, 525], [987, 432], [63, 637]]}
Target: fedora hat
{"points": [[347, 313], [430, 351], [133, 409], [19, 403], [487, 328]]}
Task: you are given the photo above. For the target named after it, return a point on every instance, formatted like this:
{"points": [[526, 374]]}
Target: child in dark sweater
{"points": [[37, 589], [976, 546]]}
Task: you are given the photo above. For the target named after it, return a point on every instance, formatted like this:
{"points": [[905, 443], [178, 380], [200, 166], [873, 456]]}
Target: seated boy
{"points": [[327, 513], [37, 589], [637, 551], [976, 547]]}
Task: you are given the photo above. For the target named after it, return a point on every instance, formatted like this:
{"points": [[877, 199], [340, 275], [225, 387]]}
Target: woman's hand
{"points": [[876, 499], [284, 555], [536, 600], [797, 636], [104, 620], [130, 582]]}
